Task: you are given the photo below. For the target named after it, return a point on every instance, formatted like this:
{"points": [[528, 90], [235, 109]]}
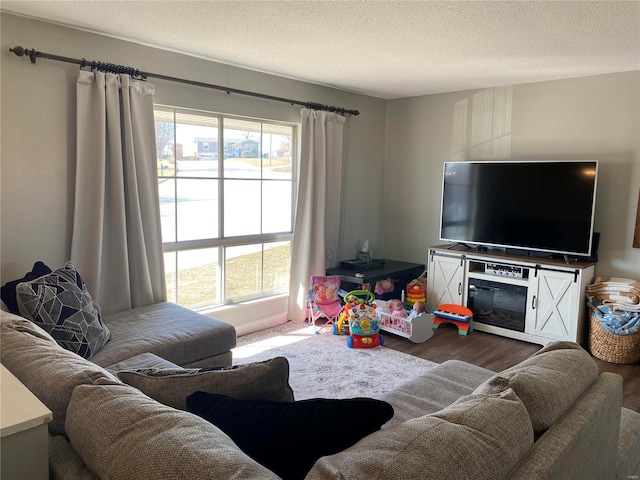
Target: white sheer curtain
{"points": [[316, 234], [116, 240]]}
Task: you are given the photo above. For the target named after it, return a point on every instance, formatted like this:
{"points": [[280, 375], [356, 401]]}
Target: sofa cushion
{"points": [[478, 436], [548, 382], [434, 390], [61, 304], [267, 380], [45, 368], [142, 361], [65, 463], [165, 443], [170, 331], [8, 290], [288, 437]]}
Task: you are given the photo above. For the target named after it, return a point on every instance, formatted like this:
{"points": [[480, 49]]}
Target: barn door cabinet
{"points": [[538, 300]]}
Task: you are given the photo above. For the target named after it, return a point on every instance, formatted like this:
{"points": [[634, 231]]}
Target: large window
{"points": [[226, 188]]}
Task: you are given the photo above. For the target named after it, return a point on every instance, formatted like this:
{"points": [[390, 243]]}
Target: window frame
{"points": [[222, 242]]}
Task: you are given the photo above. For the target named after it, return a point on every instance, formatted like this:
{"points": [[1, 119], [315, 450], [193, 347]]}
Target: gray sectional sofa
{"points": [[168, 331], [552, 416]]}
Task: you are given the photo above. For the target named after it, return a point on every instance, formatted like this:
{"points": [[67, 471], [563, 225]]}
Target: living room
{"points": [[396, 147], [395, 152]]}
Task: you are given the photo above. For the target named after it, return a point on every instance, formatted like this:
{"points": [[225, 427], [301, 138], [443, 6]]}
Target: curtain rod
{"points": [[134, 72]]}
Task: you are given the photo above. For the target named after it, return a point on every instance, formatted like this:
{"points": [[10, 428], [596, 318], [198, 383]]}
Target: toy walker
{"points": [[359, 314]]}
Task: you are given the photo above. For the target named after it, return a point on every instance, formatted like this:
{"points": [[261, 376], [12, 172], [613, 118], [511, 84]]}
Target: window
{"points": [[227, 215]]}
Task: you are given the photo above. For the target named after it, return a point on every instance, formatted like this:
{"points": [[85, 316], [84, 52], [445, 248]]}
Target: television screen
{"points": [[544, 206]]}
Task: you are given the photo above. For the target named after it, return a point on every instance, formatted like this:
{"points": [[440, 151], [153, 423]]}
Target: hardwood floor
{"points": [[497, 353]]}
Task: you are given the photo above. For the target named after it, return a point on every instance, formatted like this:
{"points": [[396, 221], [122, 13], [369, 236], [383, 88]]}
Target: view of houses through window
{"points": [[226, 191]]}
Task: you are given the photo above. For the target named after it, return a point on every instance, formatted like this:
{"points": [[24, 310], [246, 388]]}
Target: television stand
{"points": [[537, 300]]}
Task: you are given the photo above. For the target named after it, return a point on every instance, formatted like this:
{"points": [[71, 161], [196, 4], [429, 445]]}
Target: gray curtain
{"points": [[316, 233], [116, 240]]}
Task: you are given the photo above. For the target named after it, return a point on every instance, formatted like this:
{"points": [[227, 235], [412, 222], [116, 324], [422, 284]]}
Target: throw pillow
{"points": [[548, 382], [479, 437], [8, 290], [289, 437], [268, 380], [60, 303]]}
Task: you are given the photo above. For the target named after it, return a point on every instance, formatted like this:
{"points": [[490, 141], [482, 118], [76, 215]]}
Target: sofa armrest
{"points": [[628, 465], [582, 444]]}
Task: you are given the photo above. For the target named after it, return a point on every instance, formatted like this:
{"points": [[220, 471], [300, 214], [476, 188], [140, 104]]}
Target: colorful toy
{"points": [[416, 292], [417, 309], [458, 315], [396, 307], [323, 301], [360, 314], [417, 327], [341, 327]]}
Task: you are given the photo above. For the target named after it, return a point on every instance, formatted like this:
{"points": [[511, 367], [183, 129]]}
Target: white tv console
{"points": [[553, 290]]}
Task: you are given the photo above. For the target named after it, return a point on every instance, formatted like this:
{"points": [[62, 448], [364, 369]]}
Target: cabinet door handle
{"points": [[533, 303], [460, 289]]}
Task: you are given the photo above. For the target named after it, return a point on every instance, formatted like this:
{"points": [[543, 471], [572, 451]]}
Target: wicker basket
{"points": [[623, 349]]}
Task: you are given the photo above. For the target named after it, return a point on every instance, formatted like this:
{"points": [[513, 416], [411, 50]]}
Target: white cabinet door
{"points": [[555, 303], [446, 280]]}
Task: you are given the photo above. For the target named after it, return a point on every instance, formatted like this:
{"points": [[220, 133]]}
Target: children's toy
{"points": [[396, 308], [360, 314], [458, 315], [416, 292], [323, 300], [417, 309], [417, 326], [341, 327]]}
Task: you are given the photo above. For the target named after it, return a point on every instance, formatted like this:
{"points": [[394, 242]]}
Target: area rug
{"points": [[322, 366]]}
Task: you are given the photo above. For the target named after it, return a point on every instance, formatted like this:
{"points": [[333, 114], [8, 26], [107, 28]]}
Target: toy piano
{"points": [[458, 315]]}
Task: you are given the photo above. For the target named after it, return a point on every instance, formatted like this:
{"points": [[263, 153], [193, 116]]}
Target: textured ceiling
{"points": [[387, 49]]}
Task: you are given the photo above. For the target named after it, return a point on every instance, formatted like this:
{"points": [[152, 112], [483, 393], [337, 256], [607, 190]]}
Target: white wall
{"points": [[38, 124], [593, 117]]}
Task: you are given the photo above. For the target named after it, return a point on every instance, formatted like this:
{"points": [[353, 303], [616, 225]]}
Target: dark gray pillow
{"points": [[268, 380], [60, 303]]}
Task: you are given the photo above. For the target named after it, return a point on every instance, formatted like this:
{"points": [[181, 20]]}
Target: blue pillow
{"points": [[8, 290], [288, 437]]}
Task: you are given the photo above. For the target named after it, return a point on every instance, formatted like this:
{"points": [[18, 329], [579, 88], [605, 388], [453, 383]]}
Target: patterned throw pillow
{"points": [[61, 305]]}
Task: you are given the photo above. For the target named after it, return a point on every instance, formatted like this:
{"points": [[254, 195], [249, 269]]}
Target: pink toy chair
{"points": [[323, 301]]}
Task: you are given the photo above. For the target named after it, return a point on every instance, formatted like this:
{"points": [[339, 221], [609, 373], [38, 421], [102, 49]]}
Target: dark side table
{"points": [[401, 272]]}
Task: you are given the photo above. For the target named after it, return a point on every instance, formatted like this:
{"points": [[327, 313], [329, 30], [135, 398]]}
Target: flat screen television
{"points": [[533, 206]]}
